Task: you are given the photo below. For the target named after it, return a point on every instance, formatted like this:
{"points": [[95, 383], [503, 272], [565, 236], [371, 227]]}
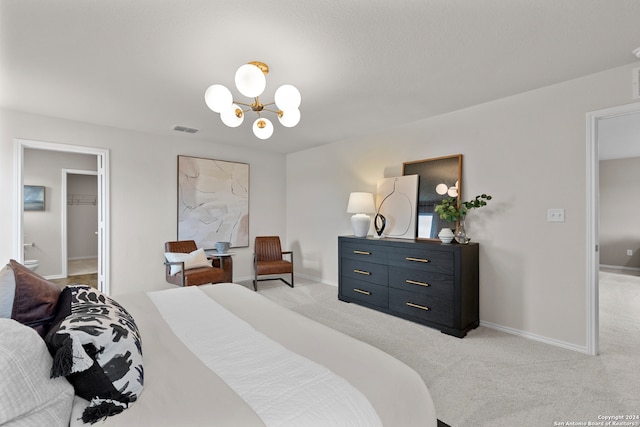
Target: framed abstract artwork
{"points": [[34, 197], [396, 201], [213, 202]]}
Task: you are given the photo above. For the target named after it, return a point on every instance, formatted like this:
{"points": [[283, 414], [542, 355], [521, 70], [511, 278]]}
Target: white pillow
{"points": [[28, 396], [195, 259]]}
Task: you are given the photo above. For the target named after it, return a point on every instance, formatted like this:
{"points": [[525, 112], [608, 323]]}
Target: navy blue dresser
{"points": [[423, 281]]}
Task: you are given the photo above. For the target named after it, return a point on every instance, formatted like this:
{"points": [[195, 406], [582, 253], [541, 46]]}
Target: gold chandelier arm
{"points": [[272, 111], [242, 103]]}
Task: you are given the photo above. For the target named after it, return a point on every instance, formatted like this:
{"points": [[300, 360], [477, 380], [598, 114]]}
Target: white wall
{"points": [[528, 151], [143, 191]]}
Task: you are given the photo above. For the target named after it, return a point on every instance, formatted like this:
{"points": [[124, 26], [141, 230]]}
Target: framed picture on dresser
{"points": [[439, 178]]}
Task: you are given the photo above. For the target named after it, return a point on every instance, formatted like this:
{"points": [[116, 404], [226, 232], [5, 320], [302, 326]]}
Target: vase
{"points": [[461, 233]]}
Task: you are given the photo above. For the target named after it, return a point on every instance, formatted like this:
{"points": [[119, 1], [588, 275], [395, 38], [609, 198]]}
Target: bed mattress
{"points": [[183, 388]]}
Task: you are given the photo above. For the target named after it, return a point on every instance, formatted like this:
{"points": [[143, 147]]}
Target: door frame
{"points": [[593, 219], [65, 223], [102, 156]]}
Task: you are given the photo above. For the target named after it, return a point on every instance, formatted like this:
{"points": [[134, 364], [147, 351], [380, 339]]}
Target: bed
{"points": [[224, 355]]}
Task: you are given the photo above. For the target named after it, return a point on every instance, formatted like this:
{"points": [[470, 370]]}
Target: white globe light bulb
{"points": [[287, 97], [250, 80], [262, 128], [232, 116], [290, 117], [218, 98]]}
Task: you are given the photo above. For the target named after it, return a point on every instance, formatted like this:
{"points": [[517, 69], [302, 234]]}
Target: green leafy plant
{"points": [[450, 211]]}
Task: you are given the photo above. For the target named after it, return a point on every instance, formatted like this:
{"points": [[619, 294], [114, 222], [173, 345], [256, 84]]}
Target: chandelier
{"points": [[251, 81]]}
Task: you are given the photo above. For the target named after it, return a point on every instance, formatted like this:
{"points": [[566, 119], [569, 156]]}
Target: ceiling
{"points": [[360, 65]]}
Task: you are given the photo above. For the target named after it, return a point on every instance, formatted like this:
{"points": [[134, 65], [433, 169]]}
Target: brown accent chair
{"points": [[194, 276], [268, 259]]}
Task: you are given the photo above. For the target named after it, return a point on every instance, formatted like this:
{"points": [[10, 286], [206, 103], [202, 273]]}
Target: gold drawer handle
{"points": [[421, 307], [413, 282], [366, 273], [362, 253], [417, 259], [360, 291]]}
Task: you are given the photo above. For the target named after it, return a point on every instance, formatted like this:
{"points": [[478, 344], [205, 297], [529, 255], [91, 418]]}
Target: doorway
{"points": [[80, 225], [102, 200], [595, 121]]}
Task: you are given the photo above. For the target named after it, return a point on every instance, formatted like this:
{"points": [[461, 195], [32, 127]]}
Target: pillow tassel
{"points": [[100, 409], [63, 359]]}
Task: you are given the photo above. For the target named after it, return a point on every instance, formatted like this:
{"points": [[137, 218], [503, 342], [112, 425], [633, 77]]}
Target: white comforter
{"points": [[282, 387], [185, 389]]}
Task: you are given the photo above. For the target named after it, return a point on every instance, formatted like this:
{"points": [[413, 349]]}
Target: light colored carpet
{"points": [[495, 379]]}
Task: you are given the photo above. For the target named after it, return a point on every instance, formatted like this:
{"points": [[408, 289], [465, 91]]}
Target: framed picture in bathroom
{"points": [[34, 197]]}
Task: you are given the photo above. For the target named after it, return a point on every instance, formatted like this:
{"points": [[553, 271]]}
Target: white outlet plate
{"points": [[555, 215], [630, 252]]}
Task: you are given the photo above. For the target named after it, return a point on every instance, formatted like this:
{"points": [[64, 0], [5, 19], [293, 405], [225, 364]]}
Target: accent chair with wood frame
{"points": [[212, 273], [268, 259]]}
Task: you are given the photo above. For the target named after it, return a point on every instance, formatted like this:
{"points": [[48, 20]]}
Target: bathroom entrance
{"points": [[42, 235]]}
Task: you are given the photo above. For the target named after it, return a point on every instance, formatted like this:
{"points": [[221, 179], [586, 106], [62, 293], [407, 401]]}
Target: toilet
{"points": [[31, 264]]}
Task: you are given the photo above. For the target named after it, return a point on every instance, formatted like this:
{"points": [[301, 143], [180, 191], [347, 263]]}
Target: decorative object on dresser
{"points": [[453, 211], [423, 281], [446, 235], [440, 178], [360, 204], [396, 202]]}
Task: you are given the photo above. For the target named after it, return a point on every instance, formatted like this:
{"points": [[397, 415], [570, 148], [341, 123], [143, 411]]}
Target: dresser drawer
{"points": [[365, 292], [365, 271], [364, 251], [423, 259], [421, 281], [422, 306]]}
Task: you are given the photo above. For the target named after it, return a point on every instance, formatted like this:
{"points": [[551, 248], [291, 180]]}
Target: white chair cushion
{"points": [[195, 259]]}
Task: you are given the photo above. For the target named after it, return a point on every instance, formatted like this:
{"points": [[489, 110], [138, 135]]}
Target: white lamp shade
{"points": [[250, 80], [218, 98], [229, 116], [360, 203], [290, 118], [287, 97], [263, 128]]}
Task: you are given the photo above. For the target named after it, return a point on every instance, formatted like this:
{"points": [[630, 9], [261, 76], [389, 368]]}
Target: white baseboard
{"points": [[76, 258], [535, 337], [619, 267]]}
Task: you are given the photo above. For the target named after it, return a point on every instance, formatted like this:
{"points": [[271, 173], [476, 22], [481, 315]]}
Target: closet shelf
{"points": [[82, 199]]}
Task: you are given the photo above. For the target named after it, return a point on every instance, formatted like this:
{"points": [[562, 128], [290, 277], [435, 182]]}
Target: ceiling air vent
{"points": [[184, 129], [636, 83]]}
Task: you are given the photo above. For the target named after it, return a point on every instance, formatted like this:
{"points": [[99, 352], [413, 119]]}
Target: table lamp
{"points": [[361, 204]]}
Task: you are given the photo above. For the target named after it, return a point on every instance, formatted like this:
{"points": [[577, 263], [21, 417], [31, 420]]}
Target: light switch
{"points": [[555, 215]]}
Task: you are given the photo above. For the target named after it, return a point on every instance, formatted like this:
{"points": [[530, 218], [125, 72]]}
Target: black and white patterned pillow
{"points": [[96, 344]]}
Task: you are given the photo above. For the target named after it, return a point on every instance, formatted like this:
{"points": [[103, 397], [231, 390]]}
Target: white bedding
{"points": [[282, 387], [180, 389]]}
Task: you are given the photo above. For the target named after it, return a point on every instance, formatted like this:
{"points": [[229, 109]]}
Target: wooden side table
{"points": [[223, 261]]}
